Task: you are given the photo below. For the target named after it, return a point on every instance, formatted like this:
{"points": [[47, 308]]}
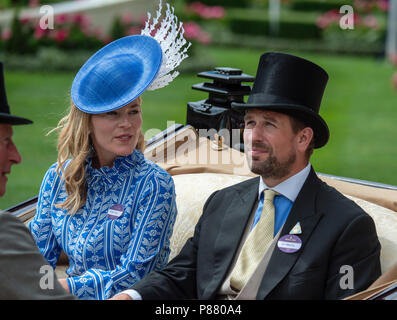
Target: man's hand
{"points": [[121, 296]]}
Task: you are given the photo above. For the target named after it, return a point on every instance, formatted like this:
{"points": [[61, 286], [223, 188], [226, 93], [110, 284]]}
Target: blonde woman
{"points": [[107, 207]]}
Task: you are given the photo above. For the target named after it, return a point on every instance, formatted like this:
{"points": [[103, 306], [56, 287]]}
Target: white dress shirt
{"points": [[291, 187]]}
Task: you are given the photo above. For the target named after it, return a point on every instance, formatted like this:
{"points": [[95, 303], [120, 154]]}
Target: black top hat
{"points": [[288, 84], [5, 116]]}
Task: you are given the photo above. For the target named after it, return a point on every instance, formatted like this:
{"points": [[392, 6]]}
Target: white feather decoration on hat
{"points": [[169, 35]]}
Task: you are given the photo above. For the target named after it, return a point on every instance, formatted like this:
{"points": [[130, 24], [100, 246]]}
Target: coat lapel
{"points": [[303, 211], [231, 230]]}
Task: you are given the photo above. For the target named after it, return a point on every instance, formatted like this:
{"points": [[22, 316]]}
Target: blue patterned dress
{"points": [[108, 254]]}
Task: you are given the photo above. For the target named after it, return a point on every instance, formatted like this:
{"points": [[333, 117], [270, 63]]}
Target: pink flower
{"points": [[192, 29], [196, 7], [370, 21], [364, 5], [206, 12], [39, 33], [334, 14], [24, 20], [218, 12], [322, 22], [61, 18], [356, 18], [81, 20], [6, 34], [383, 5], [127, 18], [204, 38], [194, 32], [61, 35]]}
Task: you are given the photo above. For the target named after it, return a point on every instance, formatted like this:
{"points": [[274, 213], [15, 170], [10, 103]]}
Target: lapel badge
{"points": [[289, 243], [296, 229]]}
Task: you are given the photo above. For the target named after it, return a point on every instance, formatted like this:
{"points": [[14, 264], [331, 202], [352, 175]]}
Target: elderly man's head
{"points": [[9, 154]]}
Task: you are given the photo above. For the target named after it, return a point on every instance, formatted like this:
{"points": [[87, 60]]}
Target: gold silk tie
{"points": [[256, 244]]}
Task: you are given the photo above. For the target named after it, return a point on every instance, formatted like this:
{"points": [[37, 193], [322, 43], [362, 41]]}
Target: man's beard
{"points": [[271, 167]]}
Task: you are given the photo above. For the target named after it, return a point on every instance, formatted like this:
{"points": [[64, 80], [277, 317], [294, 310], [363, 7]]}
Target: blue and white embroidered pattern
{"points": [[108, 255]]}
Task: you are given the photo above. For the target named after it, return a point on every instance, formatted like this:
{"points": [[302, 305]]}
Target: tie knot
{"points": [[270, 194]]}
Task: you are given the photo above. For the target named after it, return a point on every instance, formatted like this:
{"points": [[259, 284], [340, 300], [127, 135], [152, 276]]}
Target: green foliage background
{"points": [[359, 106]]}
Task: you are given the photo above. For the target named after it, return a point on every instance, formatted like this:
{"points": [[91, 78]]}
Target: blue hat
{"points": [[117, 74]]}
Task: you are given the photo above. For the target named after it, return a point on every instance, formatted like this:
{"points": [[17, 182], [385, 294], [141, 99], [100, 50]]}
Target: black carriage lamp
{"points": [[214, 116]]}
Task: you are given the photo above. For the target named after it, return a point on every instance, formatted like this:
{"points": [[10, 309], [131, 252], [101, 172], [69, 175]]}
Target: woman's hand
{"points": [[64, 284]]}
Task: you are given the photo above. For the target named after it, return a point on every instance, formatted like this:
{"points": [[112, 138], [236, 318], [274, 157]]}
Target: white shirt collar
{"points": [[291, 187]]}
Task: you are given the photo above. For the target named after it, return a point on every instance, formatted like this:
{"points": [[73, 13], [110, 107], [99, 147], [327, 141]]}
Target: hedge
{"points": [[316, 5], [292, 24], [225, 3], [310, 45], [23, 3], [299, 5]]}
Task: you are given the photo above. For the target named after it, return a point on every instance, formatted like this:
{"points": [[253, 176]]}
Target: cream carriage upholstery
{"points": [[193, 189]]}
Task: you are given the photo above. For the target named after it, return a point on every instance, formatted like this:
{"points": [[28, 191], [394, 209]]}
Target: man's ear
{"points": [[305, 136]]}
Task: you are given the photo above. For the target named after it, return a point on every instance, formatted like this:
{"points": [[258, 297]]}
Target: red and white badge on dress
{"points": [[115, 211]]}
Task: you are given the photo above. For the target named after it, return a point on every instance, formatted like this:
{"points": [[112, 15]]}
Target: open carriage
{"points": [[206, 155]]}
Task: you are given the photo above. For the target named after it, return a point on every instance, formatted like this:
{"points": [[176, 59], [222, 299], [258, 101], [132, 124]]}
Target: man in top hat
{"points": [[21, 272], [282, 235]]}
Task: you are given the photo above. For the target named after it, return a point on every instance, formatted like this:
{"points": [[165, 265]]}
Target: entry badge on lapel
{"points": [[291, 243], [115, 211]]}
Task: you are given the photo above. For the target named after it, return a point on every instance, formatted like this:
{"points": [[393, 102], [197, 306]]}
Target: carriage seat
{"points": [[192, 191]]}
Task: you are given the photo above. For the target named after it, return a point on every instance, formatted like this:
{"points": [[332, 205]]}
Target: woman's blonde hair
{"points": [[74, 143]]}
